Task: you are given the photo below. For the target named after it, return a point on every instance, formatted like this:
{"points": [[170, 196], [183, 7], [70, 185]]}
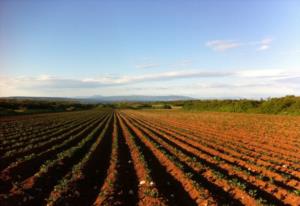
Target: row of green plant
{"points": [[55, 167], [25, 127], [149, 188], [220, 161], [77, 172], [66, 146], [173, 159], [26, 135], [110, 183], [49, 139], [48, 134], [195, 164], [214, 145], [211, 143]]}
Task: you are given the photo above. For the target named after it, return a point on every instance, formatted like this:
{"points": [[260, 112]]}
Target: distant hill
{"points": [[109, 99], [51, 99], [136, 98]]}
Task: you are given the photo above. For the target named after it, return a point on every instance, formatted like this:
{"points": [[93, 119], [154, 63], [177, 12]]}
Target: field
{"points": [[145, 157]]}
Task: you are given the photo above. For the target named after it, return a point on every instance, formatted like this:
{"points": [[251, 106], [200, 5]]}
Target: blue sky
{"points": [[196, 48]]}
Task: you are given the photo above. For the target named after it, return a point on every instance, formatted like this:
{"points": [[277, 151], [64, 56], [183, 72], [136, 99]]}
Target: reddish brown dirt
{"points": [[150, 158]]}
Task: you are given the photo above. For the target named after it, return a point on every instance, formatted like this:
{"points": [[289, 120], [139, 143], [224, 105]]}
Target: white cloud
{"points": [[261, 73], [263, 47], [265, 44], [51, 82], [222, 45], [246, 83]]}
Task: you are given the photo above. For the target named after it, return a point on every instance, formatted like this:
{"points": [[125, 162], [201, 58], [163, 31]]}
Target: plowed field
{"points": [[126, 157]]}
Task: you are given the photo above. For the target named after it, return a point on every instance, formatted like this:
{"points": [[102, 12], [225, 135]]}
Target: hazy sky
{"points": [[195, 48]]}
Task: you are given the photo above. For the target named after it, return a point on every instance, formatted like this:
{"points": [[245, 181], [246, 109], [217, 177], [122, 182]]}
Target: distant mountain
{"points": [[137, 98], [51, 99], [107, 99]]}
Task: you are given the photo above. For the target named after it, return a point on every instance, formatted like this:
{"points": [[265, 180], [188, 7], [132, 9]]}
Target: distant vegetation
{"points": [[283, 105], [140, 105], [11, 106]]}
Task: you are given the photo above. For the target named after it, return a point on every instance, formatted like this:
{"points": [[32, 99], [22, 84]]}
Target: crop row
{"points": [[112, 157], [230, 165]]}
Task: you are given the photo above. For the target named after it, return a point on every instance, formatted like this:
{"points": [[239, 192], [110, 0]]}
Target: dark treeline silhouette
{"points": [[9, 106]]}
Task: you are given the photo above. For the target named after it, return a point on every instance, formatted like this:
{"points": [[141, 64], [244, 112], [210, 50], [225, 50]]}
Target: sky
{"points": [[202, 49]]}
